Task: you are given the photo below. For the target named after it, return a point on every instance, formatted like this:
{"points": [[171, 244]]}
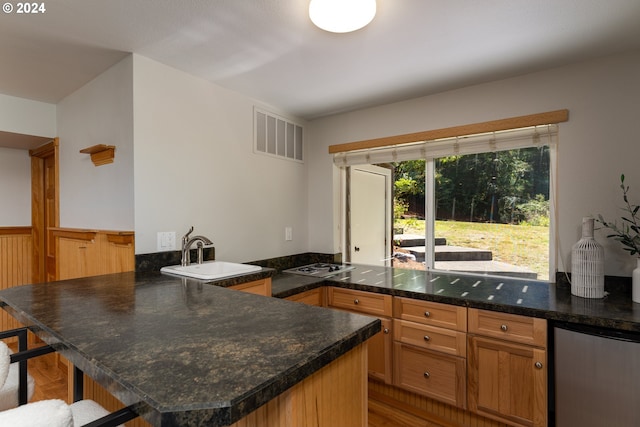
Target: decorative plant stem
{"points": [[628, 233]]}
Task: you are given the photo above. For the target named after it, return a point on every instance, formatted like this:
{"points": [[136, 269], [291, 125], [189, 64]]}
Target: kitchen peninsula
{"points": [[194, 354]]}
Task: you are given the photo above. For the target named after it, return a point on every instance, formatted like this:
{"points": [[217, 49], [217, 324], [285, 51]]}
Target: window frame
{"points": [[551, 117]]}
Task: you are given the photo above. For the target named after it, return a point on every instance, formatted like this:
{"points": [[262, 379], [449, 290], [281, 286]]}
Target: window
{"points": [[480, 204]]}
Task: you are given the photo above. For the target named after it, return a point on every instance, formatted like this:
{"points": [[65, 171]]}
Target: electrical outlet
{"points": [[166, 241], [288, 233]]}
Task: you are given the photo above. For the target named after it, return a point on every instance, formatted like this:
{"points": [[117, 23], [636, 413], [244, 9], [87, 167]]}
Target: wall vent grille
{"points": [[277, 136]]}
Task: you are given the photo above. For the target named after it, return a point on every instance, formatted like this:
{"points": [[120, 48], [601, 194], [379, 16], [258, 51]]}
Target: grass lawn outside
{"points": [[522, 245]]}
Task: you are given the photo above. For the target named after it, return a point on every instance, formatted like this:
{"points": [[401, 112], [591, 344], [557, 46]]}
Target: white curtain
{"points": [[470, 144]]}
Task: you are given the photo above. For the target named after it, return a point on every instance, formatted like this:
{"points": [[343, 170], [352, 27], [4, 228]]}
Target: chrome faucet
{"points": [[187, 242]]}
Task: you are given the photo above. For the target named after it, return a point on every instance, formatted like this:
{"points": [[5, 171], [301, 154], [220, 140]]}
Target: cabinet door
{"points": [[76, 258], [380, 349], [507, 381], [311, 297], [258, 287]]}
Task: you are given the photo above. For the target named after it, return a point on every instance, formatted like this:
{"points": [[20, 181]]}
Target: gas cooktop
{"points": [[320, 269]]}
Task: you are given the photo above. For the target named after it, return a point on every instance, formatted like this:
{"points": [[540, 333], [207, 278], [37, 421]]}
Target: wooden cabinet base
{"points": [[258, 287], [336, 395]]}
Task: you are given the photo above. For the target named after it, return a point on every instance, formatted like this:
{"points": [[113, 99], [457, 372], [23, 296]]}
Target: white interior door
{"points": [[370, 215]]}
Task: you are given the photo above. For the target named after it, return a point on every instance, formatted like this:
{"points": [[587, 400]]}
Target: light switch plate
{"points": [[166, 241], [288, 233]]}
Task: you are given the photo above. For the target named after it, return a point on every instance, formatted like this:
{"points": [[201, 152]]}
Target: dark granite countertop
{"points": [[194, 354], [517, 296]]}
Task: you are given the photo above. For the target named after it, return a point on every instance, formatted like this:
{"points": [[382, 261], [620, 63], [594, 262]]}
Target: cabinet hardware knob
{"points": [[538, 365], [386, 330], [427, 314], [504, 328], [427, 375], [427, 338], [356, 301]]}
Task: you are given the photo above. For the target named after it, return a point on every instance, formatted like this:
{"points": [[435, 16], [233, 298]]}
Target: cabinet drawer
{"points": [[431, 313], [431, 374], [511, 327], [431, 337], [359, 301]]}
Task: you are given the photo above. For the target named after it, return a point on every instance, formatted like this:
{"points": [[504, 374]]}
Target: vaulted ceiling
{"points": [[270, 50]]}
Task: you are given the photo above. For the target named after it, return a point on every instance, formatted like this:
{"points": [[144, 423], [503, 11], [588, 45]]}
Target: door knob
{"points": [[357, 249]]}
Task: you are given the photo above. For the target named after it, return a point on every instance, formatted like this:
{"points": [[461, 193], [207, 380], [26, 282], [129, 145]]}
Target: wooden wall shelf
{"points": [[101, 154]]}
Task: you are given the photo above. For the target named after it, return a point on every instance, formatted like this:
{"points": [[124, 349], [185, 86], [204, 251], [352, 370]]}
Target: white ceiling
{"points": [[269, 50]]}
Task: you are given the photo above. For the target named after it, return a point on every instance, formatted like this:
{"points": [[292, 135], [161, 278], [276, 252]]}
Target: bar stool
{"points": [[45, 413]]}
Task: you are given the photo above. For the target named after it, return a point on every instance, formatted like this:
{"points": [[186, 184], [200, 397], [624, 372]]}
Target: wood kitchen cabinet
{"points": [[315, 297], [430, 349], [84, 253], [507, 367], [381, 345], [258, 287], [77, 256]]}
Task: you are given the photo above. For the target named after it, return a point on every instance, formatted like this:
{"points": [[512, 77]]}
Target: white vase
{"points": [[635, 277]]}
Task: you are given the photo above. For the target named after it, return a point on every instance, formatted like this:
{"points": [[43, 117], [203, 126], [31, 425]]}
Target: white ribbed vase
{"points": [[635, 277], [587, 264]]}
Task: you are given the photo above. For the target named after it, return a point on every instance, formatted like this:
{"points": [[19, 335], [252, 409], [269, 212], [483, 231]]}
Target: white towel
{"points": [[9, 390], [5, 360], [86, 411], [45, 413], [9, 393]]}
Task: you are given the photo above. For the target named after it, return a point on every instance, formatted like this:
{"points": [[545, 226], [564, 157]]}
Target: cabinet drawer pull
{"points": [[538, 365], [356, 301], [427, 375], [386, 330], [504, 328], [427, 338], [427, 314]]}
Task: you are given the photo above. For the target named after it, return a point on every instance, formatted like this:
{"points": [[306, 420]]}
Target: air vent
{"points": [[276, 136]]}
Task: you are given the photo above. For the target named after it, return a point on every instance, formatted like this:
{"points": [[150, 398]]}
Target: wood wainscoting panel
{"points": [[16, 264]]}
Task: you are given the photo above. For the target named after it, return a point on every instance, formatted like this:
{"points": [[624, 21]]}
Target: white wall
{"points": [[15, 187], [599, 142], [101, 112], [28, 117], [19, 115], [194, 165]]}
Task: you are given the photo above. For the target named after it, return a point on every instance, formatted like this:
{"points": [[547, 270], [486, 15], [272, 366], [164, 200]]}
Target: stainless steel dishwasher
{"points": [[597, 376]]}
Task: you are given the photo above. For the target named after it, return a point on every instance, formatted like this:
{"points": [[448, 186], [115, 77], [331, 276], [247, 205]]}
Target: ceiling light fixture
{"points": [[342, 16]]}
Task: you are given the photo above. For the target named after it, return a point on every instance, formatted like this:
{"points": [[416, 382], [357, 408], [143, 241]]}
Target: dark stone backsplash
{"points": [[612, 284], [291, 261], [157, 260]]}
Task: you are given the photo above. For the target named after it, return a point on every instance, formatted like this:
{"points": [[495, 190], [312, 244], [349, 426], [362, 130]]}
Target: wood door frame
{"points": [[38, 205]]}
